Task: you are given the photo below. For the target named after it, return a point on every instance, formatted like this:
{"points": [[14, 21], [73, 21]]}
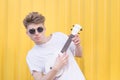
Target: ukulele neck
{"points": [[65, 47]]}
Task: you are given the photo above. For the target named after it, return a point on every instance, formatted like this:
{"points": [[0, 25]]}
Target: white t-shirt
{"points": [[41, 57]]}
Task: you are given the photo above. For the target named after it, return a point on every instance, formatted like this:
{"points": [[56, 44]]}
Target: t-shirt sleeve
{"points": [[34, 64]]}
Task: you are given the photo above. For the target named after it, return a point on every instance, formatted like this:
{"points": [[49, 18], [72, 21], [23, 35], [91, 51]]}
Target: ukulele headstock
{"points": [[76, 28]]}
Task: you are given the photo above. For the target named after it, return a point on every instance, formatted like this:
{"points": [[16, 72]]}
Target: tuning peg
{"points": [[78, 33], [71, 29], [81, 29], [72, 25]]}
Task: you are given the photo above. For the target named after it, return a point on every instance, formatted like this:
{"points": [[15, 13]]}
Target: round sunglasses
{"points": [[33, 31]]}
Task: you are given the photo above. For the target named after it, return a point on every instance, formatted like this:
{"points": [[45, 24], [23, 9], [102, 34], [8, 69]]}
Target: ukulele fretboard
{"points": [[65, 47]]}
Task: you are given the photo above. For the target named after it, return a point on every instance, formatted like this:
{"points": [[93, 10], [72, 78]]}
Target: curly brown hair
{"points": [[33, 17]]}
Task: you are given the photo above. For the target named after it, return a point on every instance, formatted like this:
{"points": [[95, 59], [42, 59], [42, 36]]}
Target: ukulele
{"points": [[49, 65]]}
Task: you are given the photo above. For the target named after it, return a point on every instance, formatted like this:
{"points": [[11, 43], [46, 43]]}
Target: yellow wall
{"points": [[100, 37]]}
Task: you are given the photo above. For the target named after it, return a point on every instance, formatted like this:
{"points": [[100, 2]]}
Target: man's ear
{"points": [[44, 27], [26, 32]]}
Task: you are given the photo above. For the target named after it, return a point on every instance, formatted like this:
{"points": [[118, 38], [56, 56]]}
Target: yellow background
{"points": [[100, 37]]}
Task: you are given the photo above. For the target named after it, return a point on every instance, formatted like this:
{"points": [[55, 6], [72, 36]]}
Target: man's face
{"points": [[36, 32]]}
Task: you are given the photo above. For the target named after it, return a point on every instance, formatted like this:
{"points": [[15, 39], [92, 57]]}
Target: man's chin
{"points": [[37, 42]]}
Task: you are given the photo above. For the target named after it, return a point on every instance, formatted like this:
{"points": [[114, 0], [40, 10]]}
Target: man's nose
{"points": [[36, 32]]}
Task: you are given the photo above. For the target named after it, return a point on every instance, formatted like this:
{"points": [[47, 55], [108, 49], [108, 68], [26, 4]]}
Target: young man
{"points": [[47, 52]]}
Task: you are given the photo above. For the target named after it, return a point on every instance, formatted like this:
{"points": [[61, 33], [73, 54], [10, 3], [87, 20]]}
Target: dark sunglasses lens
{"points": [[40, 29], [32, 31]]}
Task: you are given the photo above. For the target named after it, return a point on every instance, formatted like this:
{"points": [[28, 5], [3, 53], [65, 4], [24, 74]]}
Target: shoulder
{"points": [[60, 34], [30, 53]]}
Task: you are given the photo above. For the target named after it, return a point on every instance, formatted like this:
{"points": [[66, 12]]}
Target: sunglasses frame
{"points": [[33, 31]]}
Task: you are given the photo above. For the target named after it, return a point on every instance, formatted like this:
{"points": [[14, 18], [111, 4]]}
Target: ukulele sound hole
{"points": [[50, 67]]}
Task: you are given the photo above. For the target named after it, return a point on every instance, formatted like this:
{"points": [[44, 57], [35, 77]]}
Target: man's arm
{"points": [[61, 61], [78, 48], [48, 76], [78, 51]]}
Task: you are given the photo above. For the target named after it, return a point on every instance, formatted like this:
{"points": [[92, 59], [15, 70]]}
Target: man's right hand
{"points": [[61, 61]]}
